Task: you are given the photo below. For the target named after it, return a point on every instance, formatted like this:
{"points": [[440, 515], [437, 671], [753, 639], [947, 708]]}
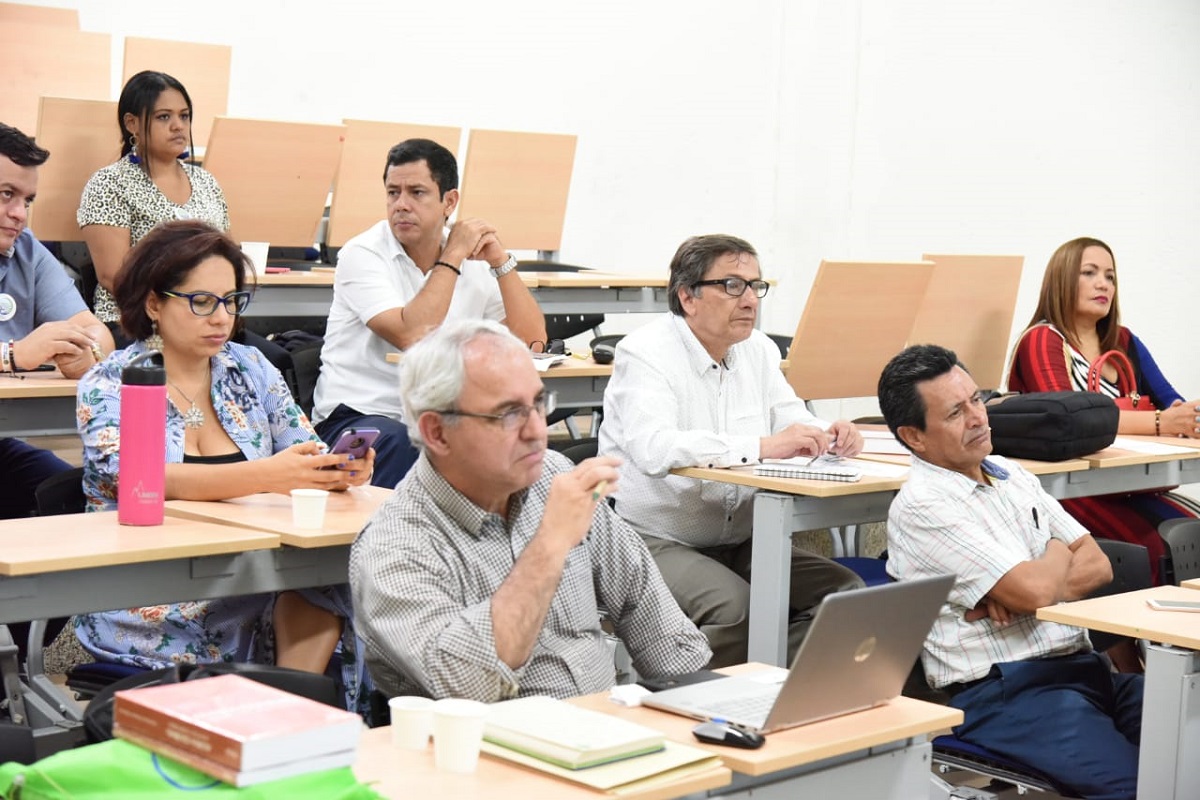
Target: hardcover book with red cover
{"points": [[233, 721]]}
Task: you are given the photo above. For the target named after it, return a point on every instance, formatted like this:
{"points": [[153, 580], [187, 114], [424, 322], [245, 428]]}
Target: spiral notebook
{"points": [[823, 468]]}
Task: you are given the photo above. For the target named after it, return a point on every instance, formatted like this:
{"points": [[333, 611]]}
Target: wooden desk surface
{"points": [[52, 544], [1128, 615], [37, 384], [1034, 467], [744, 476], [296, 278], [578, 368], [587, 279], [345, 515], [397, 773], [1118, 457], [899, 719]]}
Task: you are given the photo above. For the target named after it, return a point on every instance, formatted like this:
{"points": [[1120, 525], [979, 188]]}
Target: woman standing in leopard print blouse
{"points": [[149, 184]]}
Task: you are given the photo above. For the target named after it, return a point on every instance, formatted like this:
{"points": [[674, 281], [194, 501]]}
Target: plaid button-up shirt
{"points": [[424, 571]]}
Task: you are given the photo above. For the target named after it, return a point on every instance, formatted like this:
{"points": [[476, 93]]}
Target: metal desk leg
{"points": [[771, 570], [1167, 764]]}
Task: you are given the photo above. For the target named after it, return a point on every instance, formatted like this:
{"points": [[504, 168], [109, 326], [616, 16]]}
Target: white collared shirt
{"points": [[944, 522], [374, 275], [669, 405]]}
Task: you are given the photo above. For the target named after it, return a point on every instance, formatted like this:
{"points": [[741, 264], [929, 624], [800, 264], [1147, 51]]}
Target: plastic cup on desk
{"points": [[457, 734], [412, 721], [308, 508]]}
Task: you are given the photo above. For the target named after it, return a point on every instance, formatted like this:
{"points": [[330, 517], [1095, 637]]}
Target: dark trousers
{"points": [[712, 586], [394, 453], [22, 469], [1071, 718]]}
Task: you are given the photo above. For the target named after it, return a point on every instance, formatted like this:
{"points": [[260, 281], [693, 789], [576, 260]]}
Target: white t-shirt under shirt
{"points": [[374, 275]]}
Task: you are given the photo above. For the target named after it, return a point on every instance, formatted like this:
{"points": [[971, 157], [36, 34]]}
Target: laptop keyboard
{"points": [[751, 708]]}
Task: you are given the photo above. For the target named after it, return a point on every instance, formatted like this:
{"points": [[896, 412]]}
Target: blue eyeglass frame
{"points": [[243, 296]]}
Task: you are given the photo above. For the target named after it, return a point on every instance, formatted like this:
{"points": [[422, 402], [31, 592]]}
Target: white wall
{"points": [[843, 128]]}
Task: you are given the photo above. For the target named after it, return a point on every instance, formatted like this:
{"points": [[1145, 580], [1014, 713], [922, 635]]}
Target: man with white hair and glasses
{"points": [[481, 577]]}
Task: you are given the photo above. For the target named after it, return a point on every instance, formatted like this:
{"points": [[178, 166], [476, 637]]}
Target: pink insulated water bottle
{"points": [[143, 469]]}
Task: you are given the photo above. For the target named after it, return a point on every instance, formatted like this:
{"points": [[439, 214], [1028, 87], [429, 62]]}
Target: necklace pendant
{"points": [[193, 417]]}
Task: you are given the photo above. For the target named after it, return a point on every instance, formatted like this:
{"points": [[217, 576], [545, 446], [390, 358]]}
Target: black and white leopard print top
{"points": [[123, 196]]}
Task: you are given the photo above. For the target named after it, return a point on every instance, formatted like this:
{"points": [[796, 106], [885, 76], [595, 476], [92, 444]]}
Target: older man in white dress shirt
{"points": [[702, 387]]}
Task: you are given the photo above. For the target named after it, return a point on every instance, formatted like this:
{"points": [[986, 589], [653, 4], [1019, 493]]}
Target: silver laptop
{"points": [[859, 650]]}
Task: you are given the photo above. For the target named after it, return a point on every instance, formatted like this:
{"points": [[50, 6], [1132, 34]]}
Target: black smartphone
{"points": [[660, 683]]}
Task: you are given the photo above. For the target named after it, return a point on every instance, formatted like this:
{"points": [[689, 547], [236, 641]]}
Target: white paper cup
{"points": [[412, 721], [257, 253], [308, 508], [457, 734]]}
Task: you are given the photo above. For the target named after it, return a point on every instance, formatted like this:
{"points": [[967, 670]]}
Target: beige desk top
{"points": [[345, 515], [552, 280], [1034, 467], [578, 368], [744, 476], [588, 279], [36, 384], [322, 277], [1128, 615], [52, 544], [1117, 457], [1194, 583], [397, 773], [899, 719]]}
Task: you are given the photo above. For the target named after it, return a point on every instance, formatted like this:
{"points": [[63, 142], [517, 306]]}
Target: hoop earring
{"points": [[133, 154], [154, 341]]}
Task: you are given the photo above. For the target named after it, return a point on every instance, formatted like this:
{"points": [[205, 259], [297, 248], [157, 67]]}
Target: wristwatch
{"points": [[505, 268]]}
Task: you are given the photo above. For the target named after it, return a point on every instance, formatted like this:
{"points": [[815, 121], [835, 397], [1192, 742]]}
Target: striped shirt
{"points": [[425, 568], [942, 522]]}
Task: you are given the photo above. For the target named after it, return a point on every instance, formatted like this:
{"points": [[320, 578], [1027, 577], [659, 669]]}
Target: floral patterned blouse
{"points": [[251, 399], [256, 409], [123, 195]]}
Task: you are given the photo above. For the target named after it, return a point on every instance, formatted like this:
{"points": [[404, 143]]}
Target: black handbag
{"points": [[1052, 426]]}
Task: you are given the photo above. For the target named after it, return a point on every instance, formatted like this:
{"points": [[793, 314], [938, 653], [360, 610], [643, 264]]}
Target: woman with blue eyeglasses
{"points": [[232, 429]]}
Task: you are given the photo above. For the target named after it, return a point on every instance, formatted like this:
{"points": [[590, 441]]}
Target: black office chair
{"points": [[578, 449], [306, 368], [61, 494], [952, 753], [1183, 543], [1131, 571], [783, 342]]}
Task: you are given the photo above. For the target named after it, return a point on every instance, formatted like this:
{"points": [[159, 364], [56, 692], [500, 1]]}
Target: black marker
{"points": [[1035, 520]]}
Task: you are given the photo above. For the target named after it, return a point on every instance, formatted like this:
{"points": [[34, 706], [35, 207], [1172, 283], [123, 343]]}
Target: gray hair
{"points": [[433, 371], [693, 259]]}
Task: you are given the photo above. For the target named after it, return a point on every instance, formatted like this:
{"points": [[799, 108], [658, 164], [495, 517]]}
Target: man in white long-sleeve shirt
{"points": [[702, 387]]}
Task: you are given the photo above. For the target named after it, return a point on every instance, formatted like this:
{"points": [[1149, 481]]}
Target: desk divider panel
{"points": [[39, 15], [82, 137], [203, 69], [276, 176], [519, 182], [858, 315], [969, 308], [53, 61], [358, 196]]}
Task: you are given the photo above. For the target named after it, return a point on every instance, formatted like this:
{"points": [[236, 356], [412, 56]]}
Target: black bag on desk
{"points": [[1053, 426]]}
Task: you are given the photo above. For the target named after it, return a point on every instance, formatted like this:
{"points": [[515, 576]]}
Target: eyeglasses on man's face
{"points": [[736, 287], [514, 417], [204, 304]]}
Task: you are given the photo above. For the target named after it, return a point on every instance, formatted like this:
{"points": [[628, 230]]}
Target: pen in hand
{"points": [[598, 492]]}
